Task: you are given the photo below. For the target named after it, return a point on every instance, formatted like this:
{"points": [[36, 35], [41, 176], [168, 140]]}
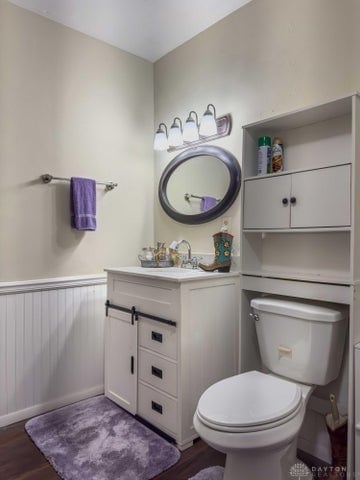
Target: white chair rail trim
{"points": [[23, 286]]}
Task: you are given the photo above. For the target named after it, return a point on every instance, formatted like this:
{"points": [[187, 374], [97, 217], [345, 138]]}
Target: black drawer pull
{"points": [[293, 200], [157, 337], [157, 407], [132, 364], [157, 372], [285, 201]]}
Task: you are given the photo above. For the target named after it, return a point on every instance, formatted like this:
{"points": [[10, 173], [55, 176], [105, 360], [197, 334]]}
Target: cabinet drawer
{"points": [[158, 371], [158, 337], [157, 408], [153, 299]]}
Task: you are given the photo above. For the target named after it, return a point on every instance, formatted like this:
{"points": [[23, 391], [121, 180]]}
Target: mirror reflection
{"points": [[199, 184]]}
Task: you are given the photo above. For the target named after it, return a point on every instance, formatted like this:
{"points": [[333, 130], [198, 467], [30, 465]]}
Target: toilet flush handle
{"points": [[254, 316]]}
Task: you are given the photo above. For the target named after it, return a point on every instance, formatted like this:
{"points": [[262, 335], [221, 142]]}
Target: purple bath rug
{"points": [[211, 473], [95, 439]]}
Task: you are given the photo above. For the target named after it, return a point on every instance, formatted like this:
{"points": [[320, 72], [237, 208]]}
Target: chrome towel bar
{"points": [[47, 178]]}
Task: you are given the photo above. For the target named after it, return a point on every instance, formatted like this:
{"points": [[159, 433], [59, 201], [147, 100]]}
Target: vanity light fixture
{"points": [[208, 122], [191, 128], [175, 133], [161, 138], [210, 128]]}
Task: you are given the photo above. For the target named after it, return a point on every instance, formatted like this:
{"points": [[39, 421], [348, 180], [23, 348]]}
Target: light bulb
{"points": [[191, 130], [208, 122], [160, 140], [175, 133]]}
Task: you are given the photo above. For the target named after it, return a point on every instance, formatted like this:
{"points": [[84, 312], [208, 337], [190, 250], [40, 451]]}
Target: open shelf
{"points": [[297, 230], [306, 116], [335, 279], [306, 146], [289, 172], [314, 255]]}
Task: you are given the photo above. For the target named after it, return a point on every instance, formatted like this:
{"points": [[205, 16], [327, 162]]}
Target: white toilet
{"points": [[255, 417]]}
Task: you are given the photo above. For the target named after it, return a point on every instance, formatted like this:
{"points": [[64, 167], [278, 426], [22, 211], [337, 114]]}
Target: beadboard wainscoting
{"points": [[51, 344]]}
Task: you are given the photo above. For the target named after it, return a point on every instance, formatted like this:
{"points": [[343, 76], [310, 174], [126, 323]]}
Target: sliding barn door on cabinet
{"points": [[121, 359]]}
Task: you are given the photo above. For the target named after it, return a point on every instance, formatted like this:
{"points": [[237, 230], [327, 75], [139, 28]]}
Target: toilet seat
{"points": [[249, 402]]}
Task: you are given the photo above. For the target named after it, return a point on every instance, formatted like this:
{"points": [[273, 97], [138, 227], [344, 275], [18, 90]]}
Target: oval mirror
{"points": [[199, 184]]}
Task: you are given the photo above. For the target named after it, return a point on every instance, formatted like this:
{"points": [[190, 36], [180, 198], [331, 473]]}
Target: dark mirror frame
{"points": [[224, 156]]}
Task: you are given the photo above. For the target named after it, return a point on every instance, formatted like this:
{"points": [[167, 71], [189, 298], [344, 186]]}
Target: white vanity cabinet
{"points": [[300, 238], [168, 338], [308, 199]]}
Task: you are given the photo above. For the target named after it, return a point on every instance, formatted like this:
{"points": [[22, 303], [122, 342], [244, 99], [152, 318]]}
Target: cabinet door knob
{"points": [[285, 201], [293, 200]]}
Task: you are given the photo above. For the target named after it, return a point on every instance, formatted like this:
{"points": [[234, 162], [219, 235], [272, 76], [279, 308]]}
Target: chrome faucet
{"points": [[190, 261], [188, 247]]}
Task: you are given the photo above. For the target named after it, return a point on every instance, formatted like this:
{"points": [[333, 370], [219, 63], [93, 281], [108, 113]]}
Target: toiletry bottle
{"points": [[277, 156], [264, 155]]}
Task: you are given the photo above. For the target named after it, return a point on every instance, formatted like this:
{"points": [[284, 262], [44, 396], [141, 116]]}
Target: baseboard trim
{"points": [[40, 408], [24, 286], [312, 462]]}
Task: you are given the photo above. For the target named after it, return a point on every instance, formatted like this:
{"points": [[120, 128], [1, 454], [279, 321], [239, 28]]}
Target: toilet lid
{"points": [[249, 399]]}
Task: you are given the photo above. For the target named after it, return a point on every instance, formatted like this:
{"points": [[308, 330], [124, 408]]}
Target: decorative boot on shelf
{"points": [[222, 260]]}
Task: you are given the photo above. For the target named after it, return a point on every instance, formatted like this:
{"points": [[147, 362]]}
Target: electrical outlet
{"points": [[226, 223]]}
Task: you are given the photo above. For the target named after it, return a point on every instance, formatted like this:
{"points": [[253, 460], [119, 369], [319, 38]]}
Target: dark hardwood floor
{"points": [[21, 460]]}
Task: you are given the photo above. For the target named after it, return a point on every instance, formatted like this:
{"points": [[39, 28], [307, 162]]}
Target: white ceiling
{"points": [[147, 28]]}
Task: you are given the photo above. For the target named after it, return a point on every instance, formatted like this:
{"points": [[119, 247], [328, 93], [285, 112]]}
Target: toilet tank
{"points": [[300, 341]]}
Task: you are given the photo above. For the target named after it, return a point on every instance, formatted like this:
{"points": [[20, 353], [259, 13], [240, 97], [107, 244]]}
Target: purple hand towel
{"points": [[83, 203], [207, 203]]}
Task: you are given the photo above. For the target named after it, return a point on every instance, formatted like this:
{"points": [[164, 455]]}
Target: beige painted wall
{"points": [[71, 106], [266, 58]]}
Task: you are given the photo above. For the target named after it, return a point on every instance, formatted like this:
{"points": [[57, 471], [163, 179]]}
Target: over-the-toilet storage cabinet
{"points": [[169, 341], [300, 228]]}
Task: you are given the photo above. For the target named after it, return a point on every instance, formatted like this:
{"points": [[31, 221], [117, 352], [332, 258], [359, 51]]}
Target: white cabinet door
{"points": [[315, 198], [321, 198], [263, 202], [121, 360]]}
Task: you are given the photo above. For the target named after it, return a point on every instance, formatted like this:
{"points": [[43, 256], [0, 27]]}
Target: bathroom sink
{"points": [[175, 272], [169, 273]]}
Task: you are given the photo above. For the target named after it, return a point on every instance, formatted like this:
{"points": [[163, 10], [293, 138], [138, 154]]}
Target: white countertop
{"points": [[173, 274]]}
